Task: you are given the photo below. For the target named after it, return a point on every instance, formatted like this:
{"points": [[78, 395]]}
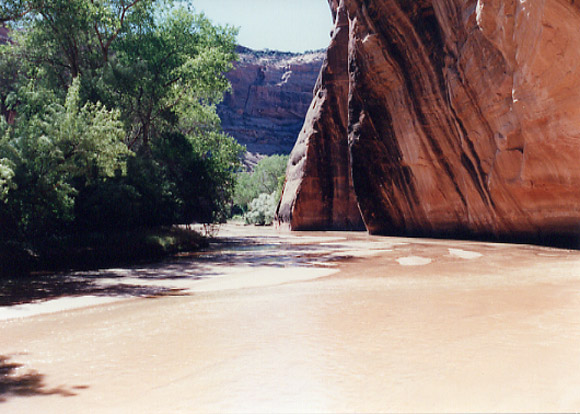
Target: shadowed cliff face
{"points": [[463, 117], [318, 192]]}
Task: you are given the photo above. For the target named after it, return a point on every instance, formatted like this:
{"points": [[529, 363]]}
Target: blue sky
{"points": [[286, 25]]}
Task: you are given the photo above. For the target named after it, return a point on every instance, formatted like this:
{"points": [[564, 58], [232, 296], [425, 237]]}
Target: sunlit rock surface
{"points": [[463, 118], [318, 192], [271, 92]]}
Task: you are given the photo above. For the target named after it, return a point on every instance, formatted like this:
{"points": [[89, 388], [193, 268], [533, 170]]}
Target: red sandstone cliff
{"points": [[463, 119], [318, 192], [271, 92]]}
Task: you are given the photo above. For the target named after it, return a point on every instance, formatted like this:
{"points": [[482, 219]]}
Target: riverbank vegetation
{"points": [[109, 124], [97, 249], [257, 192]]}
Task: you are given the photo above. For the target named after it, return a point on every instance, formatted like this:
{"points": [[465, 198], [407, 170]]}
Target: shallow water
{"points": [[235, 251], [406, 325]]}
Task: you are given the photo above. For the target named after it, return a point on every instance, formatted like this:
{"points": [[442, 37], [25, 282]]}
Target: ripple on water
{"points": [[413, 261], [464, 254]]}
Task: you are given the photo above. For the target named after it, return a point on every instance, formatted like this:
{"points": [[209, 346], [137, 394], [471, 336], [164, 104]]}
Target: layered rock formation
{"points": [[463, 119], [271, 92]]}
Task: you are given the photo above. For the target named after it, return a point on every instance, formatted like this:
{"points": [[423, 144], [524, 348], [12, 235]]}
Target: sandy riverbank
{"points": [[402, 325]]}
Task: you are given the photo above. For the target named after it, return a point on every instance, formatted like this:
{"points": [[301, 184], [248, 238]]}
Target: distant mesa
{"points": [[271, 93]]}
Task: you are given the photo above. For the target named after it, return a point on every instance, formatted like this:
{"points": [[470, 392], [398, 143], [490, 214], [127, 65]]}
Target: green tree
{"points": [[168, 75], [257, 192], [266, 178], [262, 209], [116, 123], [74, 35], [6, 176], [11, 10], [202, 169], [56, 152]]}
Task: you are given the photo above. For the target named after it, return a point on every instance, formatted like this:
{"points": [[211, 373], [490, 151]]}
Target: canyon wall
{"points": [[271, 92], [318, 192], [463, 120]]}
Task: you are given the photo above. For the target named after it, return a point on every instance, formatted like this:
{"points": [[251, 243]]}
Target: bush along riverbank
{"points": [[108, 125], [93, 250]]}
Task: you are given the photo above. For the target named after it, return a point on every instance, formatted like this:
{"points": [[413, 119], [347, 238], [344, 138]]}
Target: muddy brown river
{"points": [[269, 322]]}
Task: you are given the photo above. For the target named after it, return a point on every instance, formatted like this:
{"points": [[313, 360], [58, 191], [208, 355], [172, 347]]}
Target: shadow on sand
{"points": [[27, 384], [159, 279]]}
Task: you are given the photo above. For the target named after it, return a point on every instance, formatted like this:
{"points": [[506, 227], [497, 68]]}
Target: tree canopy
{"points": [[112, 115], [257, 192]]}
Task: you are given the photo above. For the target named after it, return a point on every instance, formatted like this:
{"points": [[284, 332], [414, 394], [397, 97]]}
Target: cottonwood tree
{"points": [[257, 192], [55, 151], [169, 75], [150, 69]]}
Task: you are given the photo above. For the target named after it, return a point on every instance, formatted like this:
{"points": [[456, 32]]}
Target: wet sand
{"points": [[364, 324]]}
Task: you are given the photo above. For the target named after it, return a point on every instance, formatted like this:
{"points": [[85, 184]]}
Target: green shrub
{"points": [[267, 178], [113, 122], [52, 155], [262, 209], [6, 176]]}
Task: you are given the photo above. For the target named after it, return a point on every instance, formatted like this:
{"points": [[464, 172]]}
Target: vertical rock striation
{"points": [[318, 193], [463, 118]]}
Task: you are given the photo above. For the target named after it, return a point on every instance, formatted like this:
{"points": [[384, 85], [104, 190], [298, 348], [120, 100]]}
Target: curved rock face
{"points": [[318, 192], [463, 116], [271, 92]]}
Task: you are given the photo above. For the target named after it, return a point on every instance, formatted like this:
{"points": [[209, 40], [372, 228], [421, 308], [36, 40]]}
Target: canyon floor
{"points": [[306, 322]]}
